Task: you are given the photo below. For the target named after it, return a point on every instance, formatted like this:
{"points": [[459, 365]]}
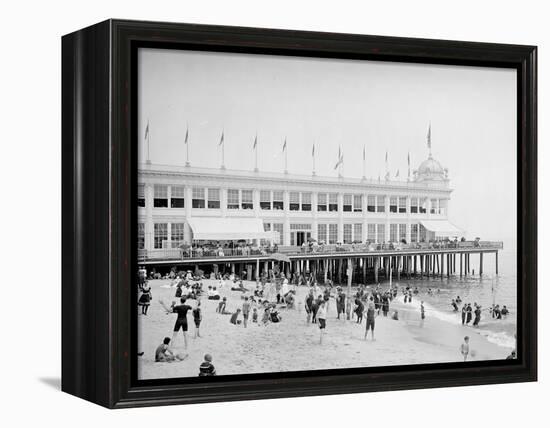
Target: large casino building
{"points": [[186, 204]]}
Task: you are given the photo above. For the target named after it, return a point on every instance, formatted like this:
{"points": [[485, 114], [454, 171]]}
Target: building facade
{"points": [[297, 207]]}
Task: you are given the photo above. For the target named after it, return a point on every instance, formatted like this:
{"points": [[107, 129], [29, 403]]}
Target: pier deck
{"points": [[408, 260]]}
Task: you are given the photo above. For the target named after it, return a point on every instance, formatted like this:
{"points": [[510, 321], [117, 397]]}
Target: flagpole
{"points": [[148, 143], [313, 156], [387, 177], [187, 144], [286, 158], [256, 154], [429, 138], [364, 164], [341, 167], [223, 149]]}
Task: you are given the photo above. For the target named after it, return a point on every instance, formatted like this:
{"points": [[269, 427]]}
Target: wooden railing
{"points": [[246, 252]]}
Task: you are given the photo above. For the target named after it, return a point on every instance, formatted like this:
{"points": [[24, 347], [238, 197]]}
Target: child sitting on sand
{"points": [[221, 306], [240, 288], [213, 294], [267, 315], [233, 319], [163, 354], [207, 368]]}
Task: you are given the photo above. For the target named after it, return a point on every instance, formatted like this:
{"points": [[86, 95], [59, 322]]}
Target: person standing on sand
{"points": [[422, 313], [246, 311], [341, 304], [145, 299], [314, 309], [181, 321], [359, 309], [371, 315], [309, 307], [197, 318], [465, 348], [463, 314], [322, 318]]}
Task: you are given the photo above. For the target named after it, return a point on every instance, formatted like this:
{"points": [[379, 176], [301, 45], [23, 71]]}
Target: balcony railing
{"points": [[248, 252]]}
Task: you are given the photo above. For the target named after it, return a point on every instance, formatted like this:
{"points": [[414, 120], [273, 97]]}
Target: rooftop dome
{"points": [[430, 166], [430, 169]]}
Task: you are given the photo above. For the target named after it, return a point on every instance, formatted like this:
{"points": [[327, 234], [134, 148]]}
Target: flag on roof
{"points": [[340, 158]]}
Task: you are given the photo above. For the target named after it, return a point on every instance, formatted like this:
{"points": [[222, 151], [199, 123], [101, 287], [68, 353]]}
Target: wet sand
{"points": [[293, 344]]}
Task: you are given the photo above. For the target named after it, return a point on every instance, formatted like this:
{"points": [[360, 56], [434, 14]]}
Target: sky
{"points": [[335, 103]]}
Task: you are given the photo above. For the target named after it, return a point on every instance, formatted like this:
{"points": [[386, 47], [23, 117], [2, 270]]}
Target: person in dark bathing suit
{"points": [[468, 313], [359, 310], [341, 304], [181, 321], [309, 307], [463, 314], [197, 318], [454, 305], [385, 305], [477, 314], [314, 309], [145, 299]]}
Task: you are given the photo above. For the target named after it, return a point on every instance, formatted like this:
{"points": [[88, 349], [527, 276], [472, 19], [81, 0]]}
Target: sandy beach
{"points": [[293, 344]]}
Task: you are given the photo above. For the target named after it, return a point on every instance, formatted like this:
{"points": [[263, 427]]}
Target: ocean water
{"points": [[499, 289]]}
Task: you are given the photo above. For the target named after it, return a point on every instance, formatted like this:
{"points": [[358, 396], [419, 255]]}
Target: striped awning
{"points": [[442, 228], [229, 228]]}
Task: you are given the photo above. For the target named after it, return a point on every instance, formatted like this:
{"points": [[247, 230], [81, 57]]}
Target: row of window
{"points": [[273, 200], [328, 233], [161, 234]]}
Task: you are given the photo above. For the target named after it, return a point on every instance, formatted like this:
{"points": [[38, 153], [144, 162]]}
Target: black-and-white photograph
{"points": [[300, 214]]}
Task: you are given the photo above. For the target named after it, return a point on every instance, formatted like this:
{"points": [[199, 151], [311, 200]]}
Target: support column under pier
{"points": [[480, 264]]}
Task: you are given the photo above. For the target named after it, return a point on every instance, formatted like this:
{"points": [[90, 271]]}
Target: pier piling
{"points": [[480, 264]]}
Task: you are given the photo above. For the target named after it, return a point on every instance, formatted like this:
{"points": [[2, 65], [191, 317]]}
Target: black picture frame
{"points": [[99, 212]]}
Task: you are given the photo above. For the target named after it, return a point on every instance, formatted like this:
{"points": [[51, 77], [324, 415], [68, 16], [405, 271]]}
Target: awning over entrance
{"points": [[442, 228], [218, 229]]}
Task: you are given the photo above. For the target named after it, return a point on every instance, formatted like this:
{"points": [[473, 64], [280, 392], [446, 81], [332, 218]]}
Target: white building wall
{"points": [[150, 215]]}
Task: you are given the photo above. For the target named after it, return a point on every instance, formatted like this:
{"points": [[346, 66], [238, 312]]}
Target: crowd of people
{"points": [[247, 248], [272, 295], [473, 312]]}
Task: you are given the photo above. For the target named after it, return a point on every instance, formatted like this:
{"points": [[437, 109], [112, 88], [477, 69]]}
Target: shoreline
{"points": [[293, 345]]}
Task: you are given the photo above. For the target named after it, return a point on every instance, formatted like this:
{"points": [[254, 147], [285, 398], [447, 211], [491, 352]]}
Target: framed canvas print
{"points": [[253, 213]]}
